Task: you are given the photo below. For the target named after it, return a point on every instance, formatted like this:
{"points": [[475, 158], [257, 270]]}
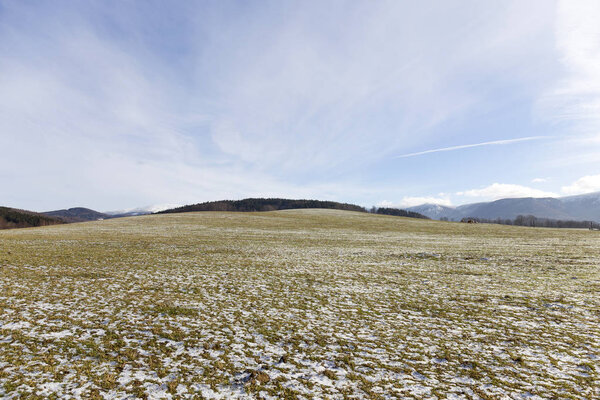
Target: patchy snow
{"points": [[305, 304]]}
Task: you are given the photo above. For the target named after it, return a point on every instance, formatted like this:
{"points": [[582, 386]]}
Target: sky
{"points": [[125, 104]]}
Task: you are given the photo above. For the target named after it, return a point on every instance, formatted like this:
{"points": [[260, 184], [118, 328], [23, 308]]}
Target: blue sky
{"points": [[115, 105]]}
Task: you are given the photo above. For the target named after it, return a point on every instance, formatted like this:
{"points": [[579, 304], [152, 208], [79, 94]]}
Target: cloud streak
{"points": [[468, 146]]}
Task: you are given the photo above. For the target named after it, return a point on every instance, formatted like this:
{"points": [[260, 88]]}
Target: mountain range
{"points": [[585, 207]]}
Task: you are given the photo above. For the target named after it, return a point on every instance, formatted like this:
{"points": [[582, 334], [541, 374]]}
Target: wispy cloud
{"points": [[571, 101], [575, 98], [116, 105], [410, 201], [468, 146]]}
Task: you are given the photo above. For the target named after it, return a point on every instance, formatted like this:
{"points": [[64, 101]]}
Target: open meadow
{"points": [[298, 304]]}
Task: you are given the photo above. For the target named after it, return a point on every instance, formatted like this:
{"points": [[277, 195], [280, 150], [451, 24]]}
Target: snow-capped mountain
{"points": [[433, 211], [141, 210]]}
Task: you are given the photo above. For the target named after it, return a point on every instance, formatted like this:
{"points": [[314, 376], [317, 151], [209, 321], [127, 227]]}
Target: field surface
{"points": [[298, 304]]}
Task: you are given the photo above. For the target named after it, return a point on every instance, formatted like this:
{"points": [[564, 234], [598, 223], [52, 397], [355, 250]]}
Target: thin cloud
{"points": [[576, 97], [468, 146], [497, 191]]}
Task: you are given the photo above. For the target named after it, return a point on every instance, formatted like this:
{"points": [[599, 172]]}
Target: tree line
{"points": [[12, 218], [533, 221], [397, 212]]}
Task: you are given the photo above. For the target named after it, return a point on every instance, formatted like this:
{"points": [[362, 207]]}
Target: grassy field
{"points": [[298, 304]]}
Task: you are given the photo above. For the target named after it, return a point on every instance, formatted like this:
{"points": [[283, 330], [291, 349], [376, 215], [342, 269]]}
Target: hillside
{"points": [[77, 214], [261, 204], [296, 304], [14, 218]]}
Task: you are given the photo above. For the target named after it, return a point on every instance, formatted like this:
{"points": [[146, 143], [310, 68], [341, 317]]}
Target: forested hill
{"points": [[13, 218], [77, 214], [400, 213], [260, 204]]}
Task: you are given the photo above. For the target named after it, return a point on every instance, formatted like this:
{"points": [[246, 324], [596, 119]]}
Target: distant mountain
{"points": [[77, 214], [400, 213], [130, 213], [433, 211], [260, 204], [14, 218], [584, 207], [511, 208], [141, 210]]}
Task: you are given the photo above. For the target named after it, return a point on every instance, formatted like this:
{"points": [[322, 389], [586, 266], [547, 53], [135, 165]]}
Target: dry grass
{"points": [[298, 304]]}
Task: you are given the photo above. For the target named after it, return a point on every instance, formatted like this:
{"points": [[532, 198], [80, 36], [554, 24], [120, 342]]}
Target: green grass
{"points": [[298, 304]]}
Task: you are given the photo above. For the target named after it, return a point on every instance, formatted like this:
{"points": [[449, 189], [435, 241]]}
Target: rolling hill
{"points": [[77, 214], [260, 204]]}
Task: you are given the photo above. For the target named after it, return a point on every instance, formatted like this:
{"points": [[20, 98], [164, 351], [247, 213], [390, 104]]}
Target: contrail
{"points": [[466, 146]]}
